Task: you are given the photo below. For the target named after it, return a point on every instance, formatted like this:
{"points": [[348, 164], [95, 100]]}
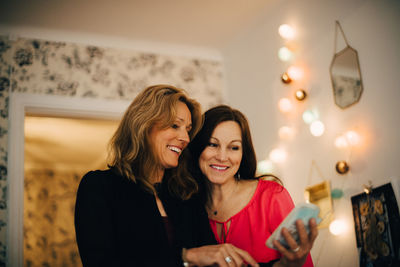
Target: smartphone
{"points": [[303, 211]]}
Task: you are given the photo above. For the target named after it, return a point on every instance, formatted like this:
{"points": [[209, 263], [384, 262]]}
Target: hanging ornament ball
{"points": [[300, 94], [342, 167], [337, 193], [285, 78]]}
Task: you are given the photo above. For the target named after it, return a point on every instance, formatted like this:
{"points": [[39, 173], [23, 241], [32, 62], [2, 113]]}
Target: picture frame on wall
{"points": [[376, 221]]}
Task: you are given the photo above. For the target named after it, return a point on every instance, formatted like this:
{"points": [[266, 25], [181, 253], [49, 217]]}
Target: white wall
{"points": [[253, 72]]}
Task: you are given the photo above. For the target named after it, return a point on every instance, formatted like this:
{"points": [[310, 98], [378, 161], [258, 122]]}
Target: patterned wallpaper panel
{"points": [[49, 203], [5, 70], [84, 71], [87, 71]]}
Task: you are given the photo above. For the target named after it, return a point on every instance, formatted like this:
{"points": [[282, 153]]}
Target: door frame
{"points": [[45, 105]]}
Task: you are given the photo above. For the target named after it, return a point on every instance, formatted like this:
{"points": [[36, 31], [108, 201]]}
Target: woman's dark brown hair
{"points": [[212, 118], [248, 166]]}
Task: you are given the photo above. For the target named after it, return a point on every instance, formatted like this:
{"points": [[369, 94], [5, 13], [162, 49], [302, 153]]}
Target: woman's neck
{"points": [[222, 195], [157, 176]]}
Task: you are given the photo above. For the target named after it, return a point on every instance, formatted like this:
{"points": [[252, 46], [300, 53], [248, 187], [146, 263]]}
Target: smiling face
{"points": [[169, 143], [220, 160]]}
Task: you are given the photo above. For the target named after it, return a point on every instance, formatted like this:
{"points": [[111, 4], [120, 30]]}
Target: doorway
{"points": [[58, 152], [21, 105]]}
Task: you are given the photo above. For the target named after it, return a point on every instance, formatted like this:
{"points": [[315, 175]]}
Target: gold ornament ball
{"points": [[342, 167], [300, 94], [285, 78]]}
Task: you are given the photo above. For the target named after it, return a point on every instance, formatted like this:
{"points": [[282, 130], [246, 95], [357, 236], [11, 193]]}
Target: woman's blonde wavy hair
{"points": [[130, 150]]}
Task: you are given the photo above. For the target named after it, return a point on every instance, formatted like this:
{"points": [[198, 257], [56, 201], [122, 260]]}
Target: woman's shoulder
{"points": [[102, 178], [268, 188], [268, 184], [97, 175], [261, 187]]}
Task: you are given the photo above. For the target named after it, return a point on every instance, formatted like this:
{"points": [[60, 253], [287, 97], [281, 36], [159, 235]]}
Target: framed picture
{"points": [[377, 220]]}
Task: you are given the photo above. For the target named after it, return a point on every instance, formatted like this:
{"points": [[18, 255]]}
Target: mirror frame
{"points": [[356, 100]]}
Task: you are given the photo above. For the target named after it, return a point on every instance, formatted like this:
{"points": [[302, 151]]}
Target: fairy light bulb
{"points": [[352, 137], [341, 142], [286, 133], [338, 227], [264, 167], [285, 105], [286, 32], [278, 155], [285, 54], [317, 128], [309, 116], [295, 73]]}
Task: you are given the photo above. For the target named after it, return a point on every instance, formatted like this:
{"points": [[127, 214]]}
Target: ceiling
{"points": [[206, 23]]}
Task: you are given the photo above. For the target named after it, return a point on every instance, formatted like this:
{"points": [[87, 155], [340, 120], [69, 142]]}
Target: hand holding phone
{"points": [[303, 211]]}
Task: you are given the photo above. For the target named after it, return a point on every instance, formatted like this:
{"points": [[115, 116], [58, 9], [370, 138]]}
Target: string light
{"points": [[338, 227], [352, 137], [286, 133], [278, 155], [286, 32], [285, 105], [285, 54], [317, 128], [264, 167], [309, 116], [295, 73], [341, 142]]}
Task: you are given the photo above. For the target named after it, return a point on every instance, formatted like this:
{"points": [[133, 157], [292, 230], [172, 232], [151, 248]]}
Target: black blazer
{"points": [[117, 223]]}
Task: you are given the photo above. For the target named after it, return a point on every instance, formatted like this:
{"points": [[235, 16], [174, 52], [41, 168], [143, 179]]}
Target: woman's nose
{"points": [[184, 136], [221, 154]]}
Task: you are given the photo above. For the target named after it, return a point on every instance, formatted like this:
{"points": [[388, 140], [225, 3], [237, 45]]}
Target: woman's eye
{"points": [[175, 126], [212, 145], [235, 148]]}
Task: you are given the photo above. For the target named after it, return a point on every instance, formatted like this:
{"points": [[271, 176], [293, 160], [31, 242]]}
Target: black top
{"points": [[117, 223]]}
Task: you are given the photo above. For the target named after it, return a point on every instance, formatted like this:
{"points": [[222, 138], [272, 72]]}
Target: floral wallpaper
{"points": [[5, 71], [49, 203], [85, 71]]}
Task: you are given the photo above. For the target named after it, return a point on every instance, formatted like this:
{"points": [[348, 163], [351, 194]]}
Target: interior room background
{"points": [[244, 72]]}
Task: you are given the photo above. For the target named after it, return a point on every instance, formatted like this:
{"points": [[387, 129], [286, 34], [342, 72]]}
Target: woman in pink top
{"points": [[244, 210]]}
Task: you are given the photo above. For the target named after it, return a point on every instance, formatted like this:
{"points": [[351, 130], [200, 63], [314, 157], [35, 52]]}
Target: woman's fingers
{"points": [[225, 255], [285, 252], [239, 256], [313, 230], [297, 253], [245, 257], [302, 232], [290, 239]]}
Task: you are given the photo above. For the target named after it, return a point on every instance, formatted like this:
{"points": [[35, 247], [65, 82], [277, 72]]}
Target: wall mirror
{"points": [[346, 75]]}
